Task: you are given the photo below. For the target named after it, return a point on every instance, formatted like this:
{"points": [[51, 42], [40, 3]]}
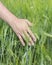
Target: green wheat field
{"points": [[39, 12]]}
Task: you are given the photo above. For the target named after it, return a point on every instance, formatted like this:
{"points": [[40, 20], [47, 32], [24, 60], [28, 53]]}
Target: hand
{"points": [[21, 28]]}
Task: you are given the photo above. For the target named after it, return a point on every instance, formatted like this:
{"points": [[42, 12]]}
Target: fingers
{"points": [[31, 35], [30, 40], [21, 40], [29, 23], [22, 37], [30, 32]]}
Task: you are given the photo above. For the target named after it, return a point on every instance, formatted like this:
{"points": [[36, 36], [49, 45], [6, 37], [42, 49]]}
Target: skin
{"points": [[19, 26]]}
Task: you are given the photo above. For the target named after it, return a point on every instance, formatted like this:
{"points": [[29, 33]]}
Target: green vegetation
{"points": [[39, 12]]}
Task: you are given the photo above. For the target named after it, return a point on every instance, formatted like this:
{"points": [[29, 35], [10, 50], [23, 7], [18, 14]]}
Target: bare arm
{"points": [[5, 14], [19, 26]]}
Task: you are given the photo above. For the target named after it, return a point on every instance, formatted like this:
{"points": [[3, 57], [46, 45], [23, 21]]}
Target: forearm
{"points": [[5, 14]]}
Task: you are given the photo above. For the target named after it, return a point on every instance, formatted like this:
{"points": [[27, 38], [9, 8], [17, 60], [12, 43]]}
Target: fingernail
{"points": [[29, 44], [33, 44], [23, 44], [34, 40]]}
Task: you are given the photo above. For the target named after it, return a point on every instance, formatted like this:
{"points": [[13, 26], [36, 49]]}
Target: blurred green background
{"points": [[39, 12]]}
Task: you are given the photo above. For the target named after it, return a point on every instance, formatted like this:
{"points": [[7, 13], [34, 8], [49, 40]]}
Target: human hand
{"points": [[21, 28]]}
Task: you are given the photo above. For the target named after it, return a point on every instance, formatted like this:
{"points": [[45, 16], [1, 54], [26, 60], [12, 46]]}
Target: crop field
{"points": [[39, 12]]}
